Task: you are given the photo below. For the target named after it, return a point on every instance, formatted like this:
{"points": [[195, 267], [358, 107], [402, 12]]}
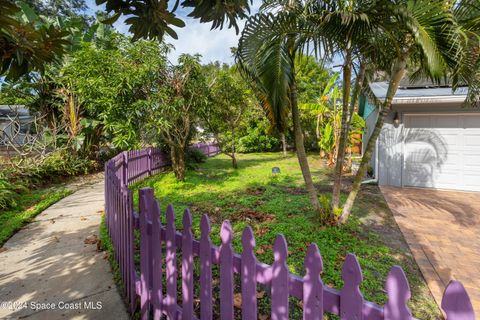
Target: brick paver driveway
{"points": [[442, 229]]}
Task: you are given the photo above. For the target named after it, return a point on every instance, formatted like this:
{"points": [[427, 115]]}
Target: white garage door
{"points": [[442, 151]]}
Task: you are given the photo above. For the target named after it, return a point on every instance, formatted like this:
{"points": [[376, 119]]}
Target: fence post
{"points": [[205, 270], [156, 293], [280, 279], [125, 169], [171, 264], [456, 303], [149, 161], [146, 205], [226, 272], [351, 299], [398, 292], [313, 285], [187, 266], [248, 274]]}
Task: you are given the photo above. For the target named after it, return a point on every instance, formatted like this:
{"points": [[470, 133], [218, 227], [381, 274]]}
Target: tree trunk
{"points": [[300, 148], [284, 144], [337, 180], [397, 75], [347, 208], [234, 160], [177, 154]]}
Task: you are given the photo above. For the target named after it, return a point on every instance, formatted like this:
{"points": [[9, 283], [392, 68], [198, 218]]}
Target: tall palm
{"points": [[266, 54], [427, 38], [350, 25]]}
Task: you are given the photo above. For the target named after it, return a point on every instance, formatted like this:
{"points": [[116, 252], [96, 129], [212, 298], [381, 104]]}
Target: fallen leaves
{"points": [[92, 239]]}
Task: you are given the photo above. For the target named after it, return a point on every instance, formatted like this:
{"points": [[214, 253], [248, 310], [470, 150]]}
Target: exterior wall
{"points": [[391, 139]]}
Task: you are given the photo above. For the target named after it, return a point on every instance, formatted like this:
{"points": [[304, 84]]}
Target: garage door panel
{"points": [[445, 121], [471, 121], [472, 181], [418, 122], [471, 162], [472, 140], [442, 151]]}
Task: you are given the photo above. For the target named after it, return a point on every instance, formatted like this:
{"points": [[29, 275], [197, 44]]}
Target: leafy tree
{"points": [[59, 8], [229, 98], [151, 19], [116, 85], [312, 78], [175, 108], [27, 42]]}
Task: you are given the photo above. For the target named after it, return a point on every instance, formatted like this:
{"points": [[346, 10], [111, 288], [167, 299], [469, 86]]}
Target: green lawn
{"points": [[29, 205], [251, 195]]}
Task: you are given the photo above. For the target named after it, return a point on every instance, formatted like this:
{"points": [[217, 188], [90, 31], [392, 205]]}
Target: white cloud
{"points": [[195, 37]]}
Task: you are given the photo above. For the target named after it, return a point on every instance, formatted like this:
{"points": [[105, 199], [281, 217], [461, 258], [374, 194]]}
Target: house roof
{"points": [[420, 93], [13, 110]]}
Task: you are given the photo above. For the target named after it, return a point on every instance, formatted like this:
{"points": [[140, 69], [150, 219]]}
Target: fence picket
{"points": [[187, 266], [131, 255], [398, 292], [171, 262], [226, 272], [248, 275], [157, 294], [280, 279], [313, 285], [456, 303], [145, 204], [351, 299], [205, 270]]}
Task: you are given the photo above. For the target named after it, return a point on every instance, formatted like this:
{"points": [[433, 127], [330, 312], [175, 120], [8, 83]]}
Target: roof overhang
{"points": [[428, 100], [420, 95]]}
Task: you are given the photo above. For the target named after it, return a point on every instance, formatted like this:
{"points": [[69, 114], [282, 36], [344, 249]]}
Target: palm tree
{"points": [[427, 38], [266, 54]]}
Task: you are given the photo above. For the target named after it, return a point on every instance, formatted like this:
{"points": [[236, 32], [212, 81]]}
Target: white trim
{"points": [[428, 99], [410, 113]]}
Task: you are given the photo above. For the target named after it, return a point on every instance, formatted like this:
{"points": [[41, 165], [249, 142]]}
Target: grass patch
{"points": [[107, 246], [28, 206], [274, 204]]}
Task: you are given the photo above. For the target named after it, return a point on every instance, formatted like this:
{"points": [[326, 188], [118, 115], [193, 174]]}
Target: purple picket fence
{"points": [[159, 244]]}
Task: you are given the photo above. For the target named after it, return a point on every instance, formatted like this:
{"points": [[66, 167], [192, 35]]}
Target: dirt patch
{"points": [[255, 191], [249, 215], [295, 190]]}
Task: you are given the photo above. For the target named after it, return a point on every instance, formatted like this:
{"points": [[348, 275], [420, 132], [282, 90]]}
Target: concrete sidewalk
{"points": [[49, 271]]}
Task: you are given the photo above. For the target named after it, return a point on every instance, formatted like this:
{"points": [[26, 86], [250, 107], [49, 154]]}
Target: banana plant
{"points": [[327, 118]]}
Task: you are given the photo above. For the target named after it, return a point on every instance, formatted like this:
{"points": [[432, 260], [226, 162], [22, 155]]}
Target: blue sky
{"points": [[196, 37]]}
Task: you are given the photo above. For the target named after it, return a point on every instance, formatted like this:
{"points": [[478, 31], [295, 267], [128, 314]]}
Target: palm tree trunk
{"points": [[284, 144], [300, 148], [397, 75], [337, 179]]}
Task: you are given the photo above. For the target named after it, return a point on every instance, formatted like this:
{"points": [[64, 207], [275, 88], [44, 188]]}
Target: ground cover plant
{"points": [[26, 208], [274, 204]]}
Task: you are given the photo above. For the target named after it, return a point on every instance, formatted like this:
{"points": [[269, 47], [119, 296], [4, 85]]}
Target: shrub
{"points": [[194, 156], [257, 141], [8, 194], [59, 164]]}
